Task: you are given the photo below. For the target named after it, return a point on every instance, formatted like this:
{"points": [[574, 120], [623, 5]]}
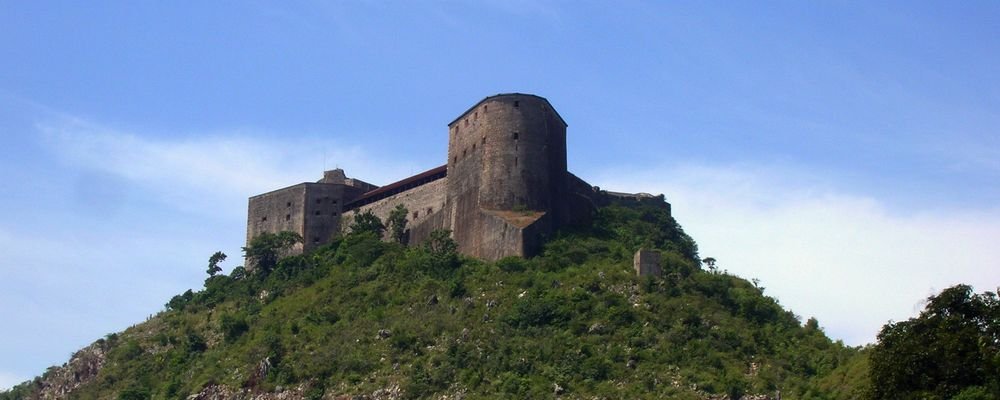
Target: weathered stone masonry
{"points": [[504, 189]]}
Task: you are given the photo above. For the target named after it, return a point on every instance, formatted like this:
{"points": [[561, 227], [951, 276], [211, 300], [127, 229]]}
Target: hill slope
{"points": [[364, 317]]}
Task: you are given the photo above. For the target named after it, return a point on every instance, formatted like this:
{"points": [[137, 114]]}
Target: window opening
{"points": [[516, 135], [263, 219], [288, 217], [516, 103], [317, 212], [289, 204]]}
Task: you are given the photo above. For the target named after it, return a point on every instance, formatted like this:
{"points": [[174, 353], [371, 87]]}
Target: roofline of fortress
{"points": [[426, 176], [474, 106], [285, 188]]}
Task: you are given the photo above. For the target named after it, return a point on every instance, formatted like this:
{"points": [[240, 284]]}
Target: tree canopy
{"points": [[265, 249], [368, 222], [951, 350], [397, 224]]}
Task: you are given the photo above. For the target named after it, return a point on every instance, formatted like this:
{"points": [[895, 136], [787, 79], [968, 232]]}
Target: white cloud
{"points": [[220, 169], [844, 258]]}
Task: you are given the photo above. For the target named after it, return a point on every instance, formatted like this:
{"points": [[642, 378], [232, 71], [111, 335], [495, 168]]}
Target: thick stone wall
{"points": [[647, 262], [510, 233], [425, 203], [324, 206], [312, 210], [276, 211], [522, 167], [506, 153]]}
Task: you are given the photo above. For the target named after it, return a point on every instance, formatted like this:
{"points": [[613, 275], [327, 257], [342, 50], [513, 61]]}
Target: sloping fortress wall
{"points": [[504, 189]]}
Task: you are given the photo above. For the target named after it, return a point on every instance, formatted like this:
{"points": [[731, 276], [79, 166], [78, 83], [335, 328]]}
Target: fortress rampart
{"points": [[504, 189]]}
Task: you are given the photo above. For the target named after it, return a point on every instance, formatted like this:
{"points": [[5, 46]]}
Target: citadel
{"points": [[504, 189]]}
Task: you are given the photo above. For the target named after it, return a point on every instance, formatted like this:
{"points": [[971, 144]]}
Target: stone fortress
{"points": [[504, 189]]}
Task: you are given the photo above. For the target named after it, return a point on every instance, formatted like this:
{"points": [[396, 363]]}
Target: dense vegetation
{"points": [[950, 351], [362, 314]]}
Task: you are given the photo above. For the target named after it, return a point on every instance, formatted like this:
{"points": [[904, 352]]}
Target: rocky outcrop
{"points": [[81, 369], [216, 392]]}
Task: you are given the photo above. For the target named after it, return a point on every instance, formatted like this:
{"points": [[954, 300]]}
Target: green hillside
{"points": [[365, 317]]}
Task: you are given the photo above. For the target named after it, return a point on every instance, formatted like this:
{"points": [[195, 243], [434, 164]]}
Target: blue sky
{"points": [[846, 154]]}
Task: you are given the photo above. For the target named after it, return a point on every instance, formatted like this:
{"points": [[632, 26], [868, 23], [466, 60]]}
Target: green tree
{"points": [[265, 249], [368, 222], [213, 263], [443, 251], [397, 224], [180, 301], [710, 262], [951, 348]]}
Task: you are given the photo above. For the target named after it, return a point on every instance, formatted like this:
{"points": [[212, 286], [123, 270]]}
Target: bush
{"points": [[233, 326], [264, 250]]}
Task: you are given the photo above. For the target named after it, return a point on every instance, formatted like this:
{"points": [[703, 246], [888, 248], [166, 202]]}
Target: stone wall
{"points": [[647, 263], [506, 153], [276, 211], [425, 204], [312, 210]]}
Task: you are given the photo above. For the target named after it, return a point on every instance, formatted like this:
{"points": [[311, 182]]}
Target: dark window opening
{"points": [[454, 160], [464, 151], [475, 115], [517, 103], [473, 147], [263, 219], [288, 217], [335, 202], [317, 212], [515, 161], [334, 214], [516, 135], [484, 139], [416, 214], [430, 210], [466, 122], [289, 204], [315, 240], [485, 109]]}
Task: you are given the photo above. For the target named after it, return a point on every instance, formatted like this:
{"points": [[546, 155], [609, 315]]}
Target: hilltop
{"points": [[364, 318]]}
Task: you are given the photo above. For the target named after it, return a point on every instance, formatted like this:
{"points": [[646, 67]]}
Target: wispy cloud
{"points": [[846, 258], [217, 168]]}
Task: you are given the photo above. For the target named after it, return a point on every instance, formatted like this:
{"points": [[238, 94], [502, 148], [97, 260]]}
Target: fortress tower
{"points": [[506, 174]]}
